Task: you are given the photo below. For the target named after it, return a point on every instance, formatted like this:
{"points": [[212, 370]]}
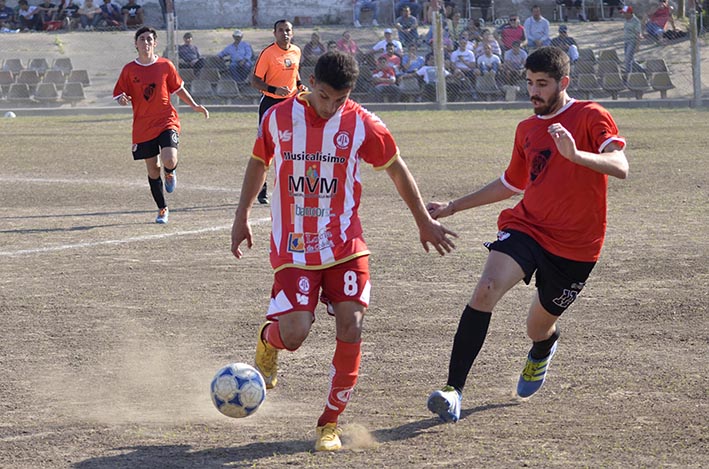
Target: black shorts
{"points": [[265, 104], [558, 280], [145, 150]]}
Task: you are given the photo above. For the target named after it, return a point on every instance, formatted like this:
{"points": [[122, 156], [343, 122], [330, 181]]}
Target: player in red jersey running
{"points": [[561, 161], [147, 84], [316, 142]]}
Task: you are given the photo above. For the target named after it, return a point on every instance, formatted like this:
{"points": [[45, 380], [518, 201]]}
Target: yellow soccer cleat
{"points": [[266, 359], [328, 437]]}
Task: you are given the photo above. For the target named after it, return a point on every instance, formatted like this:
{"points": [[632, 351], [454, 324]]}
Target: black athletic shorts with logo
{"points": [[145, 150], [558, 280]]}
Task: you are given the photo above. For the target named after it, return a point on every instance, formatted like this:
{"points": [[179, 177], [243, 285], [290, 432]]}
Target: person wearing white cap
{"points": [[365, 4], [381, 46], [241, 57]]}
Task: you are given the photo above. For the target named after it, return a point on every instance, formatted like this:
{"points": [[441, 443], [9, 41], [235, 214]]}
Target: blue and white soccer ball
{"points": [[238, 390]]}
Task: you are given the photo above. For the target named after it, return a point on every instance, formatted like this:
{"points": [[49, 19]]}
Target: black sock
{"points": [[542, 349], [467, 343], [156, 190]]}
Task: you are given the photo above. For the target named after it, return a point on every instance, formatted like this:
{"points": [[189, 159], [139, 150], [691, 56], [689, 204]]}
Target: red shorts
{"points": [[297, 289]]}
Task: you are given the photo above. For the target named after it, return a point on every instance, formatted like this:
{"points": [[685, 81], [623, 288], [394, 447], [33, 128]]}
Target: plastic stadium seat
{"points": [[13, 65], [39, 65], [588, 85], [613, 84], [187, 75], [607, 67], [228, 89], [209, 74], [201, 89], [656, 65], [661, 82], [64, 64], [73, 92], [637, 82], [6, 79], [54, 76], [81, 76], [46, 93], [587, 55], [609, 55], [583, 67], [214, 61], [19, 92], [486, 86], [30, 78]]}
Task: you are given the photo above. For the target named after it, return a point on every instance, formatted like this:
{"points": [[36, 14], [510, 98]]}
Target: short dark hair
{"points": [[22, 2], [146, 29], [275, 25], [186, 35], [337, 69], [550, 60]]}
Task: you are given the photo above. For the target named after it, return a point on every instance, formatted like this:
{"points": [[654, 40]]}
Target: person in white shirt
{"points": [[463, 59], [536, 28], [381, 46], [488, 62]]}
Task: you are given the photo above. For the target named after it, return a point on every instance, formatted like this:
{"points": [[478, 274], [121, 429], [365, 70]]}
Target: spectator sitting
{"points": [[384, 81], [474, 30], [111, 14], [133, 15], [393, 59], [656, 20], [487, 40], [511, 32], [189, 54], [536, 28], [488, 62], [29, 16], [241, 57], [566, 43], [411, 61], [7, 18], [381, 46], [407, 25], [48, 10], [448, 44], [348, 45], [469, 43], [312, 50], [89, 15], [68, 13], [429, 74], [463, 59], [455, 26], [413, 5], [370, 4], [513, 66]]}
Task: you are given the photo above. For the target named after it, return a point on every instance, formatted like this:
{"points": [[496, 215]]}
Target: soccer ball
{"points": [[238, 390], [10, 115]]}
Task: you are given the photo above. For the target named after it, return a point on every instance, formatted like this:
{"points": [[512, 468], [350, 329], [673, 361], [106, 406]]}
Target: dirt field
{"points": [[111, 326]]}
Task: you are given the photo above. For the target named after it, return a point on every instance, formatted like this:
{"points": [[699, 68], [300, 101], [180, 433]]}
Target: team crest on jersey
{"points": [[342, 139], [149, 91], [288, 63], [539, 163], [304, 285], [285, 135]]}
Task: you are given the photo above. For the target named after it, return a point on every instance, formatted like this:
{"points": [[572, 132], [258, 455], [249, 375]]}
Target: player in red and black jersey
{"points": [[147, 84], [561, 161]]}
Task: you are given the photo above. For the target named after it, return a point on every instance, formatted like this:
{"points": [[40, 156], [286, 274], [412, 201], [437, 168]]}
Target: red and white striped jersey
{"points": [[317, 189]]}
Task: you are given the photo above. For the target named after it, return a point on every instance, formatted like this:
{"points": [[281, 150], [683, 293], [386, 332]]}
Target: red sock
{"points": [[272, 335], [343, 377]]}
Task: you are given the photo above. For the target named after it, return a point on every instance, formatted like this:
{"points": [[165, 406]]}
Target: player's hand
{"points": [[439, 209], [564, 141], [203, 110], [283, 91], [124, 99], [437, 235], [240, 232]]}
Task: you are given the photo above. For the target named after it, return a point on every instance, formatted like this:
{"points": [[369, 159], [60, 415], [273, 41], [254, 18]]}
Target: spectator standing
{"points": [[413, 5], [368, 4], [331, 266], [241, 57], [384, 81], [455, 26], [407, 25], [7, 17], [513, 65], [147, 84], [575, 8], [632, 35], [312, 50], [348, 45], [536, 28], [133, 15], [566, 43], [331, 45], [189, 54], [381, 46], [89, 15], [657, 19], [111, 14], [510, 32], [565, 151], [29, 16], [277, 75]]}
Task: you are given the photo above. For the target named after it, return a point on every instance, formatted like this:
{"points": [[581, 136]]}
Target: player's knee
{"points": [[486, 294], [293, 338]]}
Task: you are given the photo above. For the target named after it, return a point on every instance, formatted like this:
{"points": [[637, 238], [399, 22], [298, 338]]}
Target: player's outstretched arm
{"points": [[612, 161], [254, 177], [493, 192], [430, 231], [186, 97]]}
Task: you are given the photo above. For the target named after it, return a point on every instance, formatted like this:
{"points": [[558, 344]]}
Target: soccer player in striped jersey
{"points": [[316, 142], [561, 160], [147, 84]]}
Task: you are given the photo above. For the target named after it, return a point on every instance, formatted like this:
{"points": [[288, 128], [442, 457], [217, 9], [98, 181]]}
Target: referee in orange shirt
{"points": [[276, 75]]}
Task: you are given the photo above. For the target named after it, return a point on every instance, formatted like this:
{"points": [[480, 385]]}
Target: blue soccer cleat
{"points": [[170, 181], [534, 374], [446, 403], [163, 215]]}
